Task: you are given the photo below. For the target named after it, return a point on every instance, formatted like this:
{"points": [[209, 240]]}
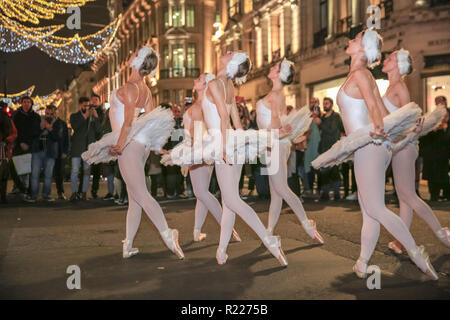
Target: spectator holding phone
{"points": [[86, 128]]}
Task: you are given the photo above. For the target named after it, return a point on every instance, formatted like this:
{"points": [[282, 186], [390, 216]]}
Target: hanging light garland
{"points": [[76, 49], [15, 97], [33, 10]]}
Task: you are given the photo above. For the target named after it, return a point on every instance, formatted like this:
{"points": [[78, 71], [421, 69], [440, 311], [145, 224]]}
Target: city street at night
{"points": [[38, 242]]}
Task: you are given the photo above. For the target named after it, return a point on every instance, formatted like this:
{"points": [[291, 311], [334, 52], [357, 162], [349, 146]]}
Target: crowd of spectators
{"points": [[54, 148]]}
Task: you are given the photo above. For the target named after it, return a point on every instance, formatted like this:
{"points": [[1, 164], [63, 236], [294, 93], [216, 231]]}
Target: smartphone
{"points": [[188, 101]]}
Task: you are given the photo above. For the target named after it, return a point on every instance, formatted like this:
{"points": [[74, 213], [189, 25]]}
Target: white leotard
{"points": [[354, 112], [117, 111], [211, 114], [263, 115], [391, 108]]}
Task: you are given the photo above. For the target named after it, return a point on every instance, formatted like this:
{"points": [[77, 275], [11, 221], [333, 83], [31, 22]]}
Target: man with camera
{"points": [[86, 128], [312, 149], [96, 169], [45, 151]]}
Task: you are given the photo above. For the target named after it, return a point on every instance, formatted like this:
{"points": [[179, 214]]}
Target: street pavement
{"points": [[38, 242]]}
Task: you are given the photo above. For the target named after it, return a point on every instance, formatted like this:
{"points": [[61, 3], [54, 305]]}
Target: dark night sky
{"points": [[34, 66]]}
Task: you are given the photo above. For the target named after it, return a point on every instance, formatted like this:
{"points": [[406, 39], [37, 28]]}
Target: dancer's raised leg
{"points": [[370, 165], [280, 190], [131, 163]]}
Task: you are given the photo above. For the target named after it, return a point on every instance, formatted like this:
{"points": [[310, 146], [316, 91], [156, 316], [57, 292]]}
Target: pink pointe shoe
{"points": [[128, 251], [198, 236], [396, 247], [221, 256], [273, 243], [170, 237], [311, 230], [420, 257], [444, 235], [360, 268]]}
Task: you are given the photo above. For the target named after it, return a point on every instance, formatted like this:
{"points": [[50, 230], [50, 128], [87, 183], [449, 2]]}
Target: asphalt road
{"points": [[38, 242]]}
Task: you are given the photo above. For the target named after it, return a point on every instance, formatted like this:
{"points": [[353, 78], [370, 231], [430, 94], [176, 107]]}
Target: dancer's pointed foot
{"points": [[170, 237], [273, 243], [420, 257], [396, 246], [311, 230], [198, 236], [235, 236], [360, 268], [221, 256], [444, 235], [128, 251]]}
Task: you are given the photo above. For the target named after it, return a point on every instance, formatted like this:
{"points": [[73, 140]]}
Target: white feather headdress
{"points": [[139, 59], [404, 64], [371, 42], [233, 66], [285, 69]]}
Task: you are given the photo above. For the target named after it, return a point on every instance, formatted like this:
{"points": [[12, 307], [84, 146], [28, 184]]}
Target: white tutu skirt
{"points": [[431, 121], [300, 121], [395, 124], [243, 146], [152, 130]]}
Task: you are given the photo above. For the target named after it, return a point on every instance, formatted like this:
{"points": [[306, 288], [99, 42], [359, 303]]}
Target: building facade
{"points": [[180, 30], [314, 35]]}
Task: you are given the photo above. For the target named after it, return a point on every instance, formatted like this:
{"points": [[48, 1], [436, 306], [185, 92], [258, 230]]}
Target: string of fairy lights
{"points": [[33, 10], [16, 37]]}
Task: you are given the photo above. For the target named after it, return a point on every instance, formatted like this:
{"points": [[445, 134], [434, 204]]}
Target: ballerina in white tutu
{"points": [[186, 154], [218, 105], [269, 111], [397, 66], [359, 101], [136, 138]]}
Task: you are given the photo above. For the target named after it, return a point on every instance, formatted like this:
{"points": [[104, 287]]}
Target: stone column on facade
{"points": [[330, 30], [281, 33], [356, 13], [209, 8], [269, 38], [259, 53]]}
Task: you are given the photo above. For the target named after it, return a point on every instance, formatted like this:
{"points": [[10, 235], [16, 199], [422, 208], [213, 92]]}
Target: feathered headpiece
{"points": [[371, 42], [233, 66], [404, 63], [142, 54], [285, 69]]}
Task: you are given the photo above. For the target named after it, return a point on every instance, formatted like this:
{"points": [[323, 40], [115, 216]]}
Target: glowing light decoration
{"points": [[76, 50], [33, 10], [15, 97]]}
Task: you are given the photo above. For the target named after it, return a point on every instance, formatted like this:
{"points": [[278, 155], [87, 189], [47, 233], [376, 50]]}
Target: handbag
{"points": [[22, 164]]}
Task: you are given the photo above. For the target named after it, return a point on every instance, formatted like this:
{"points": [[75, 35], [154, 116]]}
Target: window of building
{"points": [[177, 60], [166, 96], [190, 16], [166, 17], [191, 55], [437, 86], [321, 34], [234, 7], [177, 16], [166, 57]]}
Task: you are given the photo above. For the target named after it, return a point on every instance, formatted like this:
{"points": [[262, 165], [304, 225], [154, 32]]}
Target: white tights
{"points": [[131, 164], [370, 167], [403, 167], [280, 190], [200, 178], [228, 178]]}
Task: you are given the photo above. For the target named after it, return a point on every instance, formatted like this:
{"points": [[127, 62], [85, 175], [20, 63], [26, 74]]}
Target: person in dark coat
{"points": [[45, 149], [27, 123], [96, 169], [86, 128], [8, 134], [435, 148], [63, 151]]}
